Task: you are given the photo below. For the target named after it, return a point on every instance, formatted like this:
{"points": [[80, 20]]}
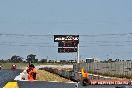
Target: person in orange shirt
{"points": [[31, 72], [85, 80], [84, 73], [34, 73]]}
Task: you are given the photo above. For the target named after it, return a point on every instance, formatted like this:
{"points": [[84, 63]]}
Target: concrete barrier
{"points": [[22, 76]]}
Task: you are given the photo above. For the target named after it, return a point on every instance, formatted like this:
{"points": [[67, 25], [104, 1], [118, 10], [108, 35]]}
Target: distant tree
{"points": [[43, 61], [31, 59], [16, 59], [71, 61], [128, 60], [51, 61], [117, 60], [63, 61], [24, 61], [110, 60], [2, 61], [105, 61]]}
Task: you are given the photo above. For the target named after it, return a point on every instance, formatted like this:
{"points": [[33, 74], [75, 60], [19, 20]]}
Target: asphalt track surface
{"points": [[44, 84], [8, 75]]}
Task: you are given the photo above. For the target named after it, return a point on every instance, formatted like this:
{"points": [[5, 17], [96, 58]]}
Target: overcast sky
{"points": [[104, 26]]}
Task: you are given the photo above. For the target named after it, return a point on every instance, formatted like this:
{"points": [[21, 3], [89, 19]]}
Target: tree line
{"points": [[18, 59], [31, 58]]}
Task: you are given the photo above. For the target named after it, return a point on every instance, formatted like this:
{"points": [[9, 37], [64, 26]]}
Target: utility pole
{"points": [[78, 54]]}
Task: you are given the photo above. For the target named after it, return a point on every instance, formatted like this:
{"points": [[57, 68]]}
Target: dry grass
{"points": [[46, 76], [8, 65], [23, 65]]}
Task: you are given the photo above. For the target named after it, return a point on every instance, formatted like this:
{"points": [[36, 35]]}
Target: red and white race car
{"points": [[13, 67]]}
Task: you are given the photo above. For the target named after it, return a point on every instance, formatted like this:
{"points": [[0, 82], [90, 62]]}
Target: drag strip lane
{"points": [[8, 75], [44, 84]]}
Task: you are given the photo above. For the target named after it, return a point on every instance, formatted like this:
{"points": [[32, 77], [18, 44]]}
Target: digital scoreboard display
{"points": [[58, 38], [67, 50], [68, 44]]}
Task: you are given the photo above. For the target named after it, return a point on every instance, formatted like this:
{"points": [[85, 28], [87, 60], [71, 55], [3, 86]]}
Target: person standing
{"points": [[31, 72], [85, 80]]}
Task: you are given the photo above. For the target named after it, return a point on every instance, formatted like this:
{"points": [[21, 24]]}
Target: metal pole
{"points": [[78, 54]]}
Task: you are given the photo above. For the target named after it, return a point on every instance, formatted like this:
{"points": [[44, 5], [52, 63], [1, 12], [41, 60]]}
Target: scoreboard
{"points": [[67, 50], [67, 43], [58, 38]]}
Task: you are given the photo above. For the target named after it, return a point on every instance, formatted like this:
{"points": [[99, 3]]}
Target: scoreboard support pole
{"points": [[78, 54]]}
